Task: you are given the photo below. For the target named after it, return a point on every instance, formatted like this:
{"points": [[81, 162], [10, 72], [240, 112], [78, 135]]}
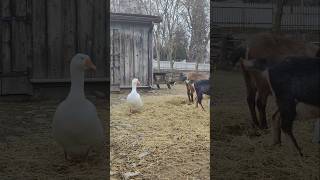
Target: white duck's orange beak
{"points": [[88, 63]]}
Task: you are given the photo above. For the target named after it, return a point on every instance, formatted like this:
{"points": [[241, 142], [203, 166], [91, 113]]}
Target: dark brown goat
{"points": [[191, 78], [274, 47], [295, 79]]}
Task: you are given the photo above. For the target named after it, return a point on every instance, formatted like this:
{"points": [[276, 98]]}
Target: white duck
{"points": [[76, 125], [134, 99]]}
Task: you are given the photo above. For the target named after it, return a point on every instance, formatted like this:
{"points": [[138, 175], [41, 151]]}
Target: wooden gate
{"points": [[115, 60], [15, 47]]}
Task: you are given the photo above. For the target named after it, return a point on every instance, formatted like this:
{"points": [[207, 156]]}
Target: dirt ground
{"points": [[168, 139], [236, 153], [28, 150]]}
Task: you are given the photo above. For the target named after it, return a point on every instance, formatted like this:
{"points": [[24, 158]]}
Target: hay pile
{"points": [[167, 139], [28, 150]]}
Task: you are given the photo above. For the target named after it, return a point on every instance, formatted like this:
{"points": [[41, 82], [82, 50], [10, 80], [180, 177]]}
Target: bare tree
{"points": [[164, 32], [277, 16], [197, 19], [170, 13]]}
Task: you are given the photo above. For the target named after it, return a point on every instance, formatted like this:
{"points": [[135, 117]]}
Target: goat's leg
{"points": [[192, 90], [287, 109], [188, 92], [261, 105], [294, 141], [251, 94], [251, 100], [199, 99], [276, 128], [191, 95], [200, 102]]}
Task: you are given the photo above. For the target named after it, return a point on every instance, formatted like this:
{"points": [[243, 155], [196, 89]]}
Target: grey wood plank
{"points": [[39, 21], [5, 36], [54, 30], [19, 42], [85, 28], [116, 60], [99, 38], [111, 57], [69, 35]]}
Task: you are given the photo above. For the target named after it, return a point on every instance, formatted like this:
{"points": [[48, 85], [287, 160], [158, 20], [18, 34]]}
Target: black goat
{"points": [[201, 87], [294, 80]]}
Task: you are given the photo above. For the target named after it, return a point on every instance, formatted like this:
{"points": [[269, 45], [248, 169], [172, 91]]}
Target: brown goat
{"points": [[273, 47], [191, 77]]}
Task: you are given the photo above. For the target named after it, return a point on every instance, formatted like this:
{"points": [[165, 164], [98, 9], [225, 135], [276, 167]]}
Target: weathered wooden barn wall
{"points": [[39, 38], [15, 45], [131, 49]]}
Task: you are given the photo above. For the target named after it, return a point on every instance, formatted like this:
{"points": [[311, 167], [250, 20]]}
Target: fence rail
{"points": [[183, 66], [251, 15]]}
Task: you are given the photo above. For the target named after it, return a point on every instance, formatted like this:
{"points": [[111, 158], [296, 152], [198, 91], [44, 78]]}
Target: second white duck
{"points": [[134, 99]]}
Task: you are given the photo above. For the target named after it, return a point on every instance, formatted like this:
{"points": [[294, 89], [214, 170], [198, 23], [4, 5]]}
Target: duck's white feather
{"points": [[76, 125], [133, 99]]}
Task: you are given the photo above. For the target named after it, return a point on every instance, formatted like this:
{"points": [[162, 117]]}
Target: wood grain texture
{"points": [[135, 52], [41, 37], [54, 32], [99, 36], [39, 42], [69, 35], [85, 35], [6, 37]]}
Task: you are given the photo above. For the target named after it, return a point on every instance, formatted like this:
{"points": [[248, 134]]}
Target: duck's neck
{"points": [[77, 83], [134, 88]]}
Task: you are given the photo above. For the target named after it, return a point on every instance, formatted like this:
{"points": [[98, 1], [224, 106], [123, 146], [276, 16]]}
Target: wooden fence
{"points": [[253, 15], [182, 66]]}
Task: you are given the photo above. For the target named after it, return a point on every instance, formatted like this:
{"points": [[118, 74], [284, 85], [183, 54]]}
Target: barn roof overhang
{"points": [[134, 18]]}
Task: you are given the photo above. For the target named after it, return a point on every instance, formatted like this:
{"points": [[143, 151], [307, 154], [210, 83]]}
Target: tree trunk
{"points": [[277, 15], [170, 59], [158, 57], [197, 66], [158, 53], [158, 47]]}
